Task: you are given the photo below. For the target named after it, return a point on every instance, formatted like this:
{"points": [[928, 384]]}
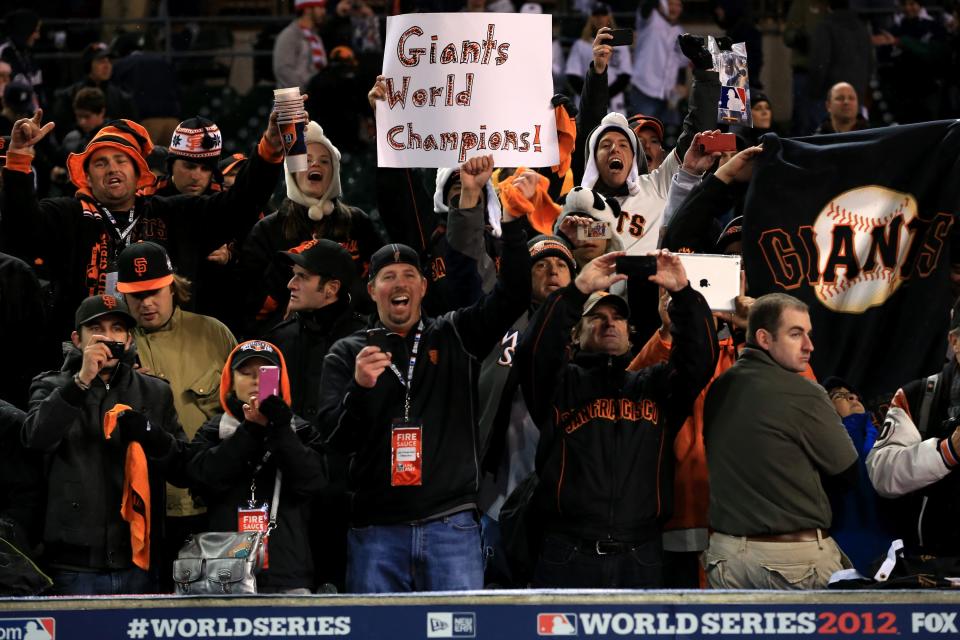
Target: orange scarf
{"points": [[542, 212], [135, 506]]}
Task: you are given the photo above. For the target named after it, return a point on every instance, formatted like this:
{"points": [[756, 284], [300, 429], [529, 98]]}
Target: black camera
{"points": [[116, 348]]}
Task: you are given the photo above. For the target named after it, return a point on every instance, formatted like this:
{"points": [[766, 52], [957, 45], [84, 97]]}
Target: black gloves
{"points": [[133, 426], [560, 100], [694, 47], [276, 411]]}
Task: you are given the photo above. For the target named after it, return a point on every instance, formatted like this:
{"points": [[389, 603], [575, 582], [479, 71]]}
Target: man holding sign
{"points": [[400, 399]]}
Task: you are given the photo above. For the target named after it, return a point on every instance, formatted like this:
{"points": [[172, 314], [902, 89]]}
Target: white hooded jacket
{"points": [[641, 210]]}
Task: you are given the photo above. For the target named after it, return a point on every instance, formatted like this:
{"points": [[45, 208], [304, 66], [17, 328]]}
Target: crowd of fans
{"points": [[471, 393]]}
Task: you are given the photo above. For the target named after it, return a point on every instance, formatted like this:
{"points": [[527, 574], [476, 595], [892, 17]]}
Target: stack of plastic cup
{"points": [[292, 121]]}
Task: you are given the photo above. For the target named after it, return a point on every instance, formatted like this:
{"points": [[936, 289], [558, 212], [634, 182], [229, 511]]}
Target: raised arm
{"points": [[28, 227], [694, 352], [541, 352], [480, 325]]}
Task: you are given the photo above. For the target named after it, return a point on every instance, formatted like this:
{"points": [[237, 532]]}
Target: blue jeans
{"points": [[103, 583], [440, 555]]}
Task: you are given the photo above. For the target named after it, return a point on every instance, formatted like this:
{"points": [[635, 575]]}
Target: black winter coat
{"points": [[605, 456], [443, 397], [83, 526], [304, 341], [221, 469]]}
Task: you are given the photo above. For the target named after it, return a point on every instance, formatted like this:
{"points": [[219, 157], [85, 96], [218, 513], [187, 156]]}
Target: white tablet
{"points": [[715, 276]]}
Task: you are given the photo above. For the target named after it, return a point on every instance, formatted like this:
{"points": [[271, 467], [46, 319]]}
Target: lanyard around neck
{"points": [[125, 236], [408, 381]]}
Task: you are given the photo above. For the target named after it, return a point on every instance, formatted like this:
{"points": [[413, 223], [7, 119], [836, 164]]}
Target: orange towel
{"points": [[135, 506], [566, 139], [541, 211]]}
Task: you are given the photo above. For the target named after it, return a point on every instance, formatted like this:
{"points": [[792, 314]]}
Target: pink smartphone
{"points": [[269, 382]]}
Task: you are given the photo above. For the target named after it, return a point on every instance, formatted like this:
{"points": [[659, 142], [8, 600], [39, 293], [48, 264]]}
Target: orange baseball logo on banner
{"points": [[140, 266]]}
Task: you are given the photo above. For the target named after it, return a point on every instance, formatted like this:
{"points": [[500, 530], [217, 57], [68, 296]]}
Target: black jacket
{"points": [[77, 247], [605, 455], [443, 398], [696, 225], [220, 470], [22, 485], [83, 528], [22, 305], [304, 341]]}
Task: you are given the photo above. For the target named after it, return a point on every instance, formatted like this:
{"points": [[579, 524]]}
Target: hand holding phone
{"points": [[637, 266], [269, 383], [116, 348], [621, 37], [379, 337], [594, 231], [718, 142]]}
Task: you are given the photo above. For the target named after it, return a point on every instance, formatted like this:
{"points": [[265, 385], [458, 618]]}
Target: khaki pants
{"points": [[737, 563]]}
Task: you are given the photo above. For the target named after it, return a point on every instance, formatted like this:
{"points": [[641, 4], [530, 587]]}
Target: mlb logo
{"points": [[556, 624], [28, 628], [451, 625]]}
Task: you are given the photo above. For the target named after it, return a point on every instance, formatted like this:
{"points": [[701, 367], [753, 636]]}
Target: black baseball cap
{"points": [[255, 349], [955, 316], [18, 96], [143, 266], [731, 233], [836, 382], [325, 258], [392, 254], [94, 51], [102, 305]]}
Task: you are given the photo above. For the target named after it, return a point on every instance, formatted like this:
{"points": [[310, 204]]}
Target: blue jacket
{"points": [[861, 524]]}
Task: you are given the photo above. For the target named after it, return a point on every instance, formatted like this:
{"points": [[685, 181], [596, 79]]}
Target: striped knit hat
{"points": [[544, 246], [123, 135], [197, 140]]}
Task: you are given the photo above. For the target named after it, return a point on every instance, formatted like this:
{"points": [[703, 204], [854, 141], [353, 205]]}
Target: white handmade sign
{"points": [[464, 84]]}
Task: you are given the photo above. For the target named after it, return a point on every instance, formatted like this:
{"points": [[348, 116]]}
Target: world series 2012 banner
{"points": [[319, 617], [464, 84], [859, 227]]}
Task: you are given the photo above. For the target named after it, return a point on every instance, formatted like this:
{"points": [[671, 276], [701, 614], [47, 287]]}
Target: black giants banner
{"points": [[858, 226]]}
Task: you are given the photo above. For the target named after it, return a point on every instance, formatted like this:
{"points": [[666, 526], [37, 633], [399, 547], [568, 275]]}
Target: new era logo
{"points": [[556, 624], [451, 625]]}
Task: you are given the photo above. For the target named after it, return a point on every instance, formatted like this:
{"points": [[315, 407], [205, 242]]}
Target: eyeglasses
{"points": [[849, 396]]}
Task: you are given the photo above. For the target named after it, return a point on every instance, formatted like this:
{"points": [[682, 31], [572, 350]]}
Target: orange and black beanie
{"points": [[197, 140], [123, 135]]}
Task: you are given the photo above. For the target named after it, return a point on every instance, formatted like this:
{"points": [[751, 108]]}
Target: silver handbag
{"points": [[223, 562]]}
